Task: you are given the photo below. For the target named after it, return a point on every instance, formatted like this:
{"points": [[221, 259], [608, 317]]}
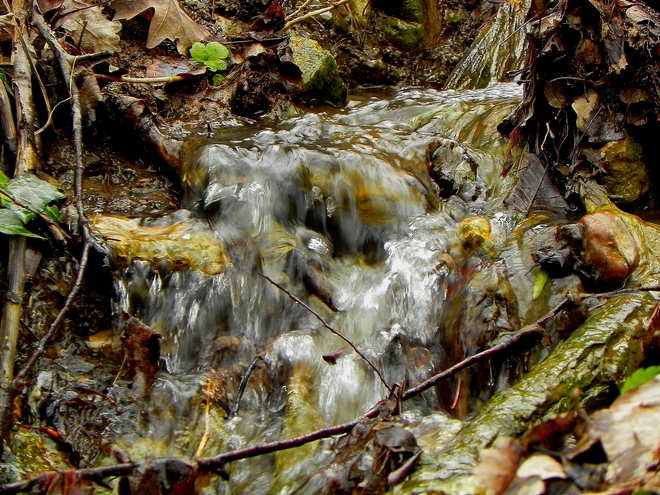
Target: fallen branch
{"points": [[332, 330], [313, 13]]}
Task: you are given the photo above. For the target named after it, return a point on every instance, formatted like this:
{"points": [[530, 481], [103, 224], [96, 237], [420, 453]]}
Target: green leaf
{"points": [[53, 212], [217, 51], [198, 52], [11, 223], [216, 65], [23, 214], [539, 283], [639, 377], [3, 78], [33, 192], [211, 55], [217, 80], [4, 180]]}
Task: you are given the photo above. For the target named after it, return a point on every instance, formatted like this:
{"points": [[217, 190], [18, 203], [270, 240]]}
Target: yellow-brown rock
{"points": [[627, 178], [610, 252], [181, 244]]}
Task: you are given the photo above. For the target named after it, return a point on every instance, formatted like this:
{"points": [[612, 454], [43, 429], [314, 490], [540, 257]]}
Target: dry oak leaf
{"points": [[90, 29], [169, 22]]}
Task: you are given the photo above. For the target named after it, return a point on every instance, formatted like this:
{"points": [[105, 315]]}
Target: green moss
{"points": [[627, 178], [320, 78], [403, 33], [407, 10]]}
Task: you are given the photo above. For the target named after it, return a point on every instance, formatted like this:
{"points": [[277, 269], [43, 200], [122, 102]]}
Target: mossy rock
{"points": [[402, 33], [406, 10], [320, 78], [627, 180]]}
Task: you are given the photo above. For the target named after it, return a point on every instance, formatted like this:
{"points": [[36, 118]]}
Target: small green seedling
{"points": [[640, 377], [213, 55]]}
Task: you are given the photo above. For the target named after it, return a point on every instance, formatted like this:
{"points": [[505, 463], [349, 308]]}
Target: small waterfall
{"points": [[337, 207], [498, 49]]}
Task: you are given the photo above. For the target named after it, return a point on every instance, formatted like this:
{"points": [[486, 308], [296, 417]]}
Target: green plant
{"points": [[640, 377], [213, 55], [22, 198], [539, 283]]}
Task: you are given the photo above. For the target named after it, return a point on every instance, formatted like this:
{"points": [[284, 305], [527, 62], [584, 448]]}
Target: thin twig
{"points": [[313, 13], [26, 162], [7, 119], [207, 421], [299, 9], [332, 330], [243, 384], [65, 67], [54, 326], [144, 80]]}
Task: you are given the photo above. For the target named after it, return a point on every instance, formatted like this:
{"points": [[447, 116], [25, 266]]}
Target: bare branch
{"points": [[325, 324], [313, 13]]}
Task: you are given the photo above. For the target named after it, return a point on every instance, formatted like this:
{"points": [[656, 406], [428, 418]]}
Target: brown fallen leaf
{"points": [[170, 66], [499, 464], [630, 432], [90, 29], [169, 22], [541, 466]]}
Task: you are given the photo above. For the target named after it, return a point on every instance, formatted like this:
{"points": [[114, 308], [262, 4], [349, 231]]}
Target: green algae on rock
{"points": [[320, 77], [627, 179], [181, 245]]}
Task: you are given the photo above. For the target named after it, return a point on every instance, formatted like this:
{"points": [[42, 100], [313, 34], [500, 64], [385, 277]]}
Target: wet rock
{"points": [[498, 48], [320, 79], [486, 307], [311, 272], [179, 244], [553, 247], [412, 24], [407, 10], [405, 34], [609, 249], [474, 232], [627, 179]]}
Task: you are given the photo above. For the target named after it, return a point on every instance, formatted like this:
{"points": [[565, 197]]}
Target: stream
{"points": [[339, 208]]}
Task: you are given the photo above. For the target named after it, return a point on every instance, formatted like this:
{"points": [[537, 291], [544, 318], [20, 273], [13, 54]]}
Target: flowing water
{"points": [[338, 207]]}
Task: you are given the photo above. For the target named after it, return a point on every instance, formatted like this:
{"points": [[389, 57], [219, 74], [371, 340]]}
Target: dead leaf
{"points": [[46, 6], [630, 432], [169, 22], [550, 432], [90, 29], [535, 189], [585, 108], [498, 465], [556, 94], [541, 466], [68, 483], [169, 67]]}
